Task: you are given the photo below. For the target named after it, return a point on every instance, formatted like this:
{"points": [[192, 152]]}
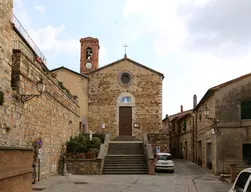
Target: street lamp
{"points": [[212, 119], [40, 88]]}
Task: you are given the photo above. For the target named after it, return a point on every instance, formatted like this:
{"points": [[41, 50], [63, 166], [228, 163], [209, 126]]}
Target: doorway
{"points": [[125, 120]]}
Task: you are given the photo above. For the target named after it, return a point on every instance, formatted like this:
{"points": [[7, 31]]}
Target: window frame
{"points": [[242, 103]]}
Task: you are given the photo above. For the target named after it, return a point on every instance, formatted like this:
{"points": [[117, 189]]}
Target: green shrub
{"points": [[82, 143], [96, 141], [72, 146]]}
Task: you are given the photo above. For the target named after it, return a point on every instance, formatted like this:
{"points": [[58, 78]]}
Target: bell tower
{"points": [[89, 54]]}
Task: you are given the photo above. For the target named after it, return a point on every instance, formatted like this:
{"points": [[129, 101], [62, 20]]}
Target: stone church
{"points": [[120, 98]]}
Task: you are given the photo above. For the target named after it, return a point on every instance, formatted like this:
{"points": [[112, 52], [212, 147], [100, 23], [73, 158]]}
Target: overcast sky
{"points": [[197, 44]]}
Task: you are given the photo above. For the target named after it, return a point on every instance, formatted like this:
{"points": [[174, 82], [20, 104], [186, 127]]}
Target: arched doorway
{"points": [[125, 113]]}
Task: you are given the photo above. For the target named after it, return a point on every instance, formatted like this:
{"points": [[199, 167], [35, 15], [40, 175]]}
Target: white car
{"points": [[243, 182], [163, 161]]}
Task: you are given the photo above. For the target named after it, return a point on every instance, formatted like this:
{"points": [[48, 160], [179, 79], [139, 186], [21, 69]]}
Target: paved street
{"points": [[188, 177]]}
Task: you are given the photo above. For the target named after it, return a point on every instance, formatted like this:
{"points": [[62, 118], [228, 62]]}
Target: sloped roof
{"points": [[179, 115], [64, 68], [212, 90], [129, 60]]}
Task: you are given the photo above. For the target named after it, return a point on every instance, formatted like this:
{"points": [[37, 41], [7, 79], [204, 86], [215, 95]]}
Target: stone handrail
{"points": [[103, 150], [149, 154]]}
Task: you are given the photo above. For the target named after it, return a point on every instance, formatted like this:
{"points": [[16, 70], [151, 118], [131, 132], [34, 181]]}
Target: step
{"points": [[125, 158], [126, 173], [143, 166], [126, 138], [126, 170]]}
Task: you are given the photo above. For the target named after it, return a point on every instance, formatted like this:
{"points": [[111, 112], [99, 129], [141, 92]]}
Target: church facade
{"points": [[124, 97]]}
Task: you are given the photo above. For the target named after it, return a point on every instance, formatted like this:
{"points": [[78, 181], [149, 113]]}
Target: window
{"points": [[246, 109], [200, 115], [164, 157], [184, 125], [125, 78], [89, 53], [249, 187], [241, 182]]}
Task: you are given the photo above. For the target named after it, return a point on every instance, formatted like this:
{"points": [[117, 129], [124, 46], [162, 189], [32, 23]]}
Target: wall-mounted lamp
{"points": [[213, 120], [41, 89], [207, 113]]}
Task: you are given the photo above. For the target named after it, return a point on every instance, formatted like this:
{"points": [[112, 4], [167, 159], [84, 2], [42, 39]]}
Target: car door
{"points": [[248, 185], [242, 182]]}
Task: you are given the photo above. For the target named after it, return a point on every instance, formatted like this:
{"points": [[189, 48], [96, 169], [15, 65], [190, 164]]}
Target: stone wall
{"points": [[162, 140], [105, 92], [16, 169], [6, 35], [54, 116], [204, 134], [186, 137], [84, 166]]}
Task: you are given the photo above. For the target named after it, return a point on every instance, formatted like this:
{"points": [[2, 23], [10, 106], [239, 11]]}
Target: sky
{"points": [[196, 44]]}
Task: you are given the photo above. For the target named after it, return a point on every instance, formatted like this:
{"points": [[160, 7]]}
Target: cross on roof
{"points": [[125, 46]]}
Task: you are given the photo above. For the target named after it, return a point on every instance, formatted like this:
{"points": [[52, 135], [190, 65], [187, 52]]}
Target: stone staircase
{"points": [[125, 156]]}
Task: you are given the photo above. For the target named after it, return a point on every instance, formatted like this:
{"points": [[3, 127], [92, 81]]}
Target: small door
{"points": [[125, 121]]}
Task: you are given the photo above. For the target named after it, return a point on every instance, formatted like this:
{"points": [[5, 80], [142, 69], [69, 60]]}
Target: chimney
{"points": [[181, 108], [194, 100]]}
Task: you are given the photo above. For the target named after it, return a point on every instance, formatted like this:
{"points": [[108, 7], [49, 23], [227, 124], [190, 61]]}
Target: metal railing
{"points": [[29, 40]]}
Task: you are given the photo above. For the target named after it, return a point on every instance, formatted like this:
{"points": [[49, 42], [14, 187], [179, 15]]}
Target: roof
{"points": [[212, 90], [64, 68], [185, 115], [129, 60], [178, 115]]}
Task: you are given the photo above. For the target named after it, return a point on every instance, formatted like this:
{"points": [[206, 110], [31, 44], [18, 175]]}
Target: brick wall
{"points": [[16, 169], [104, 93]]}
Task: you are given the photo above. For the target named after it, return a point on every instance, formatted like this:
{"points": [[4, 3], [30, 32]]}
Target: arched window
{"points": [[89, 53]]}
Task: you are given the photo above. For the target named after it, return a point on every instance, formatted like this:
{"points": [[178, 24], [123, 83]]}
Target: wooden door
{"points": [[125, 121]]}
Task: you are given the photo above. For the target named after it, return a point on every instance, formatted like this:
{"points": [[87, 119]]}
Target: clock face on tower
{"points": [[88, 65]]}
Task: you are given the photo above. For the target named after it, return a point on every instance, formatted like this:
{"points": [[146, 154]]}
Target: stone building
{"points": [[175, 131], [77, 83], [187, 133], [226, 125], [217, 132], [124, 97], [26, 111]]}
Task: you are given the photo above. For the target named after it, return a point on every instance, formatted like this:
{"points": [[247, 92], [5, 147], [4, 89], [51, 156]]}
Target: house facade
{"points": [[217, 132]]}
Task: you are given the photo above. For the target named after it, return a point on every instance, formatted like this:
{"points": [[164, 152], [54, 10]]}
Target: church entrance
{"points": [[125, 120]]}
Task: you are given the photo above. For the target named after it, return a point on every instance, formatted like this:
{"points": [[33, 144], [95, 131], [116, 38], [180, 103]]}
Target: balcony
{"points": [[27, 46]]}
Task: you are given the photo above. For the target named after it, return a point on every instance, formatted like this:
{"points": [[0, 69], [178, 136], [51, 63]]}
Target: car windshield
{"points": [[164, 157]]}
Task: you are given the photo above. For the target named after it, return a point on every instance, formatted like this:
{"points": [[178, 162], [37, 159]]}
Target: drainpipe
{"points": [[193, 138], [196, 136]]}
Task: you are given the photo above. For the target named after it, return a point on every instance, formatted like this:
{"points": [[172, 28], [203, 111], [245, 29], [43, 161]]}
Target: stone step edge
{"points": [[126, 155], [126, 142]]}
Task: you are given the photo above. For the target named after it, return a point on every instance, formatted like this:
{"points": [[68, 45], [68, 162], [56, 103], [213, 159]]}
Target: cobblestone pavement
{"points": [[187, 177]]}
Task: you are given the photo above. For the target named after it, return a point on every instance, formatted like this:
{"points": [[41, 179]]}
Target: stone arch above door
{"points": [[126, 99]]}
